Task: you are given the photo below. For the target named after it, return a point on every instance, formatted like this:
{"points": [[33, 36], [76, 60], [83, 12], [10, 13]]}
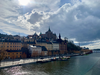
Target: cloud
{"points": [[78, 19], [92, 45], [35, 18]]}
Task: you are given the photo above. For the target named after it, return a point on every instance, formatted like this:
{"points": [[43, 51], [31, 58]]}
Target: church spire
{"points": [[49, 29], [59, 36]]}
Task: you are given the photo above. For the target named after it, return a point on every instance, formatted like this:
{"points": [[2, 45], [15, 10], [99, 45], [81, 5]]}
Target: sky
{"points": [[78, 20]]}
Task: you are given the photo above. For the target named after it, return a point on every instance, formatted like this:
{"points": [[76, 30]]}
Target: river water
{"points": [[79, 65]]}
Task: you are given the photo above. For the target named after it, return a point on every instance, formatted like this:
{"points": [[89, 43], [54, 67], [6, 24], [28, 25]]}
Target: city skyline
{"points": [[77, 20]]}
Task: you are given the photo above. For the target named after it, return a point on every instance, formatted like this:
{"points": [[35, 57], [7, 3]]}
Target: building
{"points": [[62, 45], [49, 46], [10, 44], [49, 35], [13, 54], [55, 45], [44, 51], [12, 48], [42, 43], [35, 51]]}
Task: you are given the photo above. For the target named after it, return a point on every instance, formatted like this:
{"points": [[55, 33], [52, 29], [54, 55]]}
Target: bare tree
{"points": [[2, 55]]}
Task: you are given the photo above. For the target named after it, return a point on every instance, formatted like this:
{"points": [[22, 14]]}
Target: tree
{"points": [[71, 46], [2, 55]]}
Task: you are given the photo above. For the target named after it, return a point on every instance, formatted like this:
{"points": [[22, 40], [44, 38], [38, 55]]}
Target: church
{"points": [[49, 35]]}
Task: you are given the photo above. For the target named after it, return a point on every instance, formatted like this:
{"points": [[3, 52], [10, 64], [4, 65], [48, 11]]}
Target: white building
{"points": [[34, 50], [55, 45]]}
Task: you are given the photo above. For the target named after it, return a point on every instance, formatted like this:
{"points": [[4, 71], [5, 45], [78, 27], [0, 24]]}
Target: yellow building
{"points": [[13, 54], [10, 45], [12, 48], [49, 46], [42, 43]]}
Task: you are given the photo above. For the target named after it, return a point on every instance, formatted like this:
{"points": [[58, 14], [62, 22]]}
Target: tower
{"points": [[59, 36]]}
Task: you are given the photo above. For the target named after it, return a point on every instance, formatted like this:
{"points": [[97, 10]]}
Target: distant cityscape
{"points": [[48, 44]]}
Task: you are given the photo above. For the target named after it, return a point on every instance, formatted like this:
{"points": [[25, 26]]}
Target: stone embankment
{"points": [[17, 62]]}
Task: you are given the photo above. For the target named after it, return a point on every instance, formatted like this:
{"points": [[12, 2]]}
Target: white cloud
{"points": [[78, 19], [94, 45]]}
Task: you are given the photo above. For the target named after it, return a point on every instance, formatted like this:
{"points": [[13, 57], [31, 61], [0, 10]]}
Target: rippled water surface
{"points": [[79, 65]]}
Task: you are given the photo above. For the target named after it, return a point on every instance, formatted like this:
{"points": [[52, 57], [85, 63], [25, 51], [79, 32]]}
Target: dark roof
{"points": [[49, 43], [30, 42], [14, 50], [55, 50], [41, 41], [55, 42], [8, 40], [44, 48]]}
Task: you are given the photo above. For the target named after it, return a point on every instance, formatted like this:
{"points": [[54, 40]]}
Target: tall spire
{"points": [[49, 29], [59, 36]]}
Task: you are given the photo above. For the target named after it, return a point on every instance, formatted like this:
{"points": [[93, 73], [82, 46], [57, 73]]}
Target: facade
{"points": [[44, 51], [34, 50], [12, 48], [49, 46], [55, 45], [41, 43], [10, 45], [13, 54], [62, 45]]}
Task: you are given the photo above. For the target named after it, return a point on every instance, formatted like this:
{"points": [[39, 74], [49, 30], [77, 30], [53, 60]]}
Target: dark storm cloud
{"points": [[77, 22], [35, 17]]}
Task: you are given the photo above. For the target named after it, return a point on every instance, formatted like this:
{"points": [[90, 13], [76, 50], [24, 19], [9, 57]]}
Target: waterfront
{"points": [[79, 65]]}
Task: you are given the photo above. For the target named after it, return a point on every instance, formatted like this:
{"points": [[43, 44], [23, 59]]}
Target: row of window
{"points": [[11, 53], [10, 46], [11, 43], [13, 46]]}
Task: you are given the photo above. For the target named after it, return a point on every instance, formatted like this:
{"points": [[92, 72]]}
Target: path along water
{"points": [[79, 65]]}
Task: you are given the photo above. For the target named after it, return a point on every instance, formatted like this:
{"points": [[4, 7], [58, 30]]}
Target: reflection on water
{"points": [[80, 65]]}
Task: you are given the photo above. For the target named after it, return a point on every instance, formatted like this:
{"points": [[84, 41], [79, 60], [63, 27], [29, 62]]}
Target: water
{"points": [[80, 65]]}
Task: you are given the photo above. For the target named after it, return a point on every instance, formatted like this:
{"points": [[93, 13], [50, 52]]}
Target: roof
{"points": [[41, 41], [55, 42], [14, 50], [10, 40], [44, 41], [49, 43], [44, 48], [30, 42]]}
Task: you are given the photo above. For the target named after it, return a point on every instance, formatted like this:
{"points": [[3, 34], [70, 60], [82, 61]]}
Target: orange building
{"points": [[12, 48], [13, 54], [10, 45]]}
